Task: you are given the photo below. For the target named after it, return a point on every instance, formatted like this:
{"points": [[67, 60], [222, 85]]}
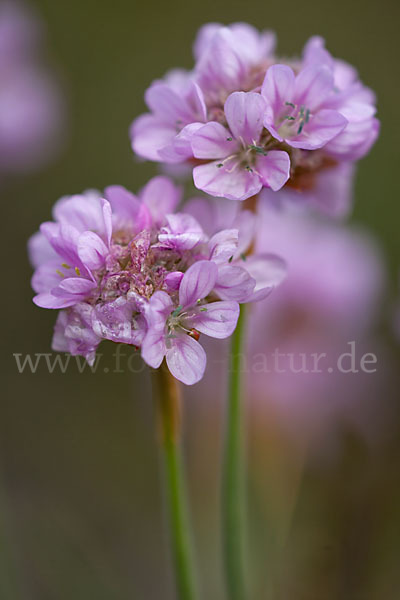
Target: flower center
{"points": [[293, 121], [137, 266]]}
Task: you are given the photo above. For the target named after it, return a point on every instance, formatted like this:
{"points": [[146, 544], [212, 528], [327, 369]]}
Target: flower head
{"points": [[132, 270], [263, 122]]}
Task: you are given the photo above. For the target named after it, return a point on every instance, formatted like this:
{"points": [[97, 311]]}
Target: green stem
{"points": [[232, 484], [169, 405]]}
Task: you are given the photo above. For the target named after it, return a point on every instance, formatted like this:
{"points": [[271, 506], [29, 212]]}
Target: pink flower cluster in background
{"points": [[31, 111]]}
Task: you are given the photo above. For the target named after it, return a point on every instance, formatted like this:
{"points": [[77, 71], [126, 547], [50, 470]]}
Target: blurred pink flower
{"points": [[327, 306], [31, 108]]}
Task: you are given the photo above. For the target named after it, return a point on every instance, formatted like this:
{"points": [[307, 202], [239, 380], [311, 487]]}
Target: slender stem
{"points": [[232, 484], [167, 393]]}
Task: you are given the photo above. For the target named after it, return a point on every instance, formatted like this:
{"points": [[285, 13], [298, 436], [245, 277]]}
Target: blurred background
{"points": [[80, 496]]}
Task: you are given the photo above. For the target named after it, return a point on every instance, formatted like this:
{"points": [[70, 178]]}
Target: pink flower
{"points": [[30, 103], [226, 58], [118, 266], [242, 166], [296, 110], [177, 109], [331, 296], [173, 329]]}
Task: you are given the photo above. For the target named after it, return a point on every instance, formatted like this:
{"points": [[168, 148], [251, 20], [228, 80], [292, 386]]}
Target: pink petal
{"points": [[92, 250], [40, 250], [181, 146], [78, 286], [107, 218], [245, 114], [274, 169], [173, 280], [216, 319], [212, 214], [153, 347], [313, 85], [125, 205], [223, 245], [149, 134], [161, 196], [234, 283], [354, 141], [81, 211], [323, 127], [197, 282], [245, 221], [268, 270], [221, 64], [165, 102], [186, 359], [47, 300], [182, 232], [213, 140], [278, 87], [230, 181], [204, 37], [46, 276]]}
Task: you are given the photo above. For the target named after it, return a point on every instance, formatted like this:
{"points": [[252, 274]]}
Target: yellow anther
{"points": [[60, 273], [77, 271], [65, 266]]}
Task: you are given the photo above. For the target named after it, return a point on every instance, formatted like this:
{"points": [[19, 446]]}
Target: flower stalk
{"points": [[232, 478], [168, 401]]}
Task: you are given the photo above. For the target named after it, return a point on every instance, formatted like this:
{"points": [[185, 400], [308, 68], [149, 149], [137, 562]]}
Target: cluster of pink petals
{"points": [[246, 120], [30, 104], [132, 270]]}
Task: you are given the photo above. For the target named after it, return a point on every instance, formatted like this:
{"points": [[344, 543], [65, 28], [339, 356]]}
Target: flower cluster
{"points": [[132, 270], [30, 104], [247, 120]]}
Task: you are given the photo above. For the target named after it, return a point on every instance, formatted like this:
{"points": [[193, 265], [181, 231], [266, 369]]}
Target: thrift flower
{"points": [[296, 112], [263, 121], [173, 331], [243, 165], [131, 270]]}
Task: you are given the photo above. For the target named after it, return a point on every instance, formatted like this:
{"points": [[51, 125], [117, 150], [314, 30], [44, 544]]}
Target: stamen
{"points": [[236, 164], [221, 164], [77, 271], [258, 149], [177, 311]]}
